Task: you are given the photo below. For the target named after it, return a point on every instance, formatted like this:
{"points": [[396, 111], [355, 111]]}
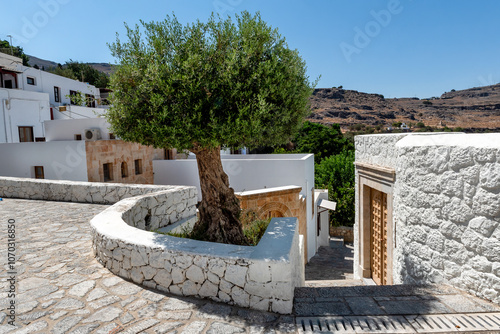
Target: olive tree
{"points": [[203, 86]]}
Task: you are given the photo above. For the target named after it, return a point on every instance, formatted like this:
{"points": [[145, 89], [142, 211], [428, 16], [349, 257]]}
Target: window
{"points": [[112, 136], [25, 134], [90, 99], [30, 81], [124, 170], [78, 137], [107, 172], [8, 84], [73, 97], [138, 166], [39, 139], [57, 97], [39, 172]]}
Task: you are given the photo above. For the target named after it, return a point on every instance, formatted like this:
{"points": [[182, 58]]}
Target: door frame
{"points": [[381, 179]]}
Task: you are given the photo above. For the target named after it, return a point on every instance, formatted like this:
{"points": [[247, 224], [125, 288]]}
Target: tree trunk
{"points": [[219, 208]]}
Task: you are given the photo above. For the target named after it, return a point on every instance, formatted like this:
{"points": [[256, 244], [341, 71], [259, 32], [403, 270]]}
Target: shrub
{"points": [[420, 125], [255, 230], [336, 173]]}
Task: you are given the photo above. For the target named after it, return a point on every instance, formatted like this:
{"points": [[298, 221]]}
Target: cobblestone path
{"points": [[61, 288]]}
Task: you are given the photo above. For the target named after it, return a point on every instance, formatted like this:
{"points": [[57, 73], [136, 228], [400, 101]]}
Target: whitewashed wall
{"points": [[62, 160], [251, 172], [446, 207], [19, 108], [45, 82], [65, 129]]}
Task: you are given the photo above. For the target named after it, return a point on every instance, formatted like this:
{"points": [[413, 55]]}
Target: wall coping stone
{"points": [[478, 140], [250, 194]]}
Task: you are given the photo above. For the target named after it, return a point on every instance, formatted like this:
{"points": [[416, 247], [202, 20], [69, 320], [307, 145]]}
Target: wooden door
{"points": [[378, 240]]}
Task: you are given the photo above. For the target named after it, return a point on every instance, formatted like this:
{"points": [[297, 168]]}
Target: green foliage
{"points": [[220, 83], [78, 99], [420, 125], [86, 73], [81, 72], [427, 102], [280, 150], [336, 173], [63, 71], [321, 140], [255, 230], [16, 50]]}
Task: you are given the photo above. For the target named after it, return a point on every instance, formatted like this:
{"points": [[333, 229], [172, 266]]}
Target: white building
{"points": [[29, 97]]}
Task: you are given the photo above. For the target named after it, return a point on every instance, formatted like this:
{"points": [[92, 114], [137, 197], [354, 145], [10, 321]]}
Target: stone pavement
{"points": [[387, 300], [61, 288], [332, 266]]}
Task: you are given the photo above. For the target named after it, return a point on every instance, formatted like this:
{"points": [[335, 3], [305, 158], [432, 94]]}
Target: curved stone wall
{"points": [[262, 277], [80, 192]]}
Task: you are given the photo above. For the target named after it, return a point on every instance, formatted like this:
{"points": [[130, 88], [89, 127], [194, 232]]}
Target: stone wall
{"points": [[345, 232], [277, 202], [446, 208], [117, 152], [262, 277], [72, 191]]}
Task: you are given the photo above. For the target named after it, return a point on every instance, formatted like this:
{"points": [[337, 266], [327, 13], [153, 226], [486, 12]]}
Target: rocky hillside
{"points": [[470, 108], [42, 63]]}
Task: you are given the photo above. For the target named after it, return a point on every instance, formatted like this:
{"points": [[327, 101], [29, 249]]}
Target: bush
{"points": [[321, 140], [255, 230], [420, 125], [336, 173]]}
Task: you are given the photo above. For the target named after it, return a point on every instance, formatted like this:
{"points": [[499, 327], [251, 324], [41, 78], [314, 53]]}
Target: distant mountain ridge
{"points": [[477, 107], [42, 63]]}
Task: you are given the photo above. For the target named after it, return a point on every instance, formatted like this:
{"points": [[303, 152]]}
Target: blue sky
{"points": [[398, 48]]}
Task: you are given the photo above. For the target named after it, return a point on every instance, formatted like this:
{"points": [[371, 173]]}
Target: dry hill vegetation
{"points": [[475, 109]]}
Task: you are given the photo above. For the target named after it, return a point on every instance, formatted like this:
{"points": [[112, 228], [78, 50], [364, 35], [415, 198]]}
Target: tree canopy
{"points": [[205, 85], [17, 51], [219, 83], [82, 72], [321, 140]]}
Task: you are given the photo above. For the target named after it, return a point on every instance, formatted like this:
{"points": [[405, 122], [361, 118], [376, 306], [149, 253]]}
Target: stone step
{"points": [[336, 242]]}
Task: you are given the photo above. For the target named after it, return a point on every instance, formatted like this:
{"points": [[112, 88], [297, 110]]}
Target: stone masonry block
{"points": [[236, 274], [282, 306], [240, 297], [178, 275], [183, 261], [163, 278], [259, 272], [486, 203], [190, 288], [195, 274], [483, 225], [136, 275], [208, 289], [280, 272], [137, 259], [148, 272]]}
